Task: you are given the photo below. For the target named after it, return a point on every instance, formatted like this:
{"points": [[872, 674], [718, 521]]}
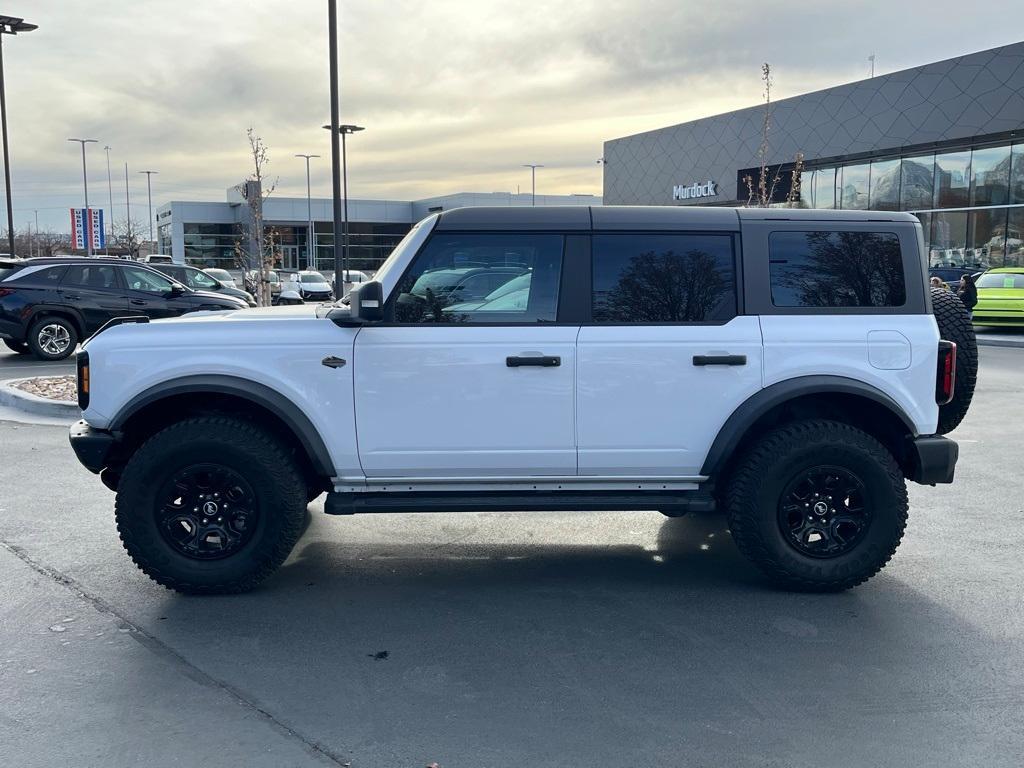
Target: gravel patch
{"points": [[61, 388]]}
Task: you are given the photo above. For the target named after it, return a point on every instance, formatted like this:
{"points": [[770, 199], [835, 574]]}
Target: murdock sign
{"points": [[691, 191]]}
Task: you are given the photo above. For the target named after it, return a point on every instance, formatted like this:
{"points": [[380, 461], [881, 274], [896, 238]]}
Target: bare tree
{"points": [[762, 194], [28, 243], [129, 237], [254, 250]]}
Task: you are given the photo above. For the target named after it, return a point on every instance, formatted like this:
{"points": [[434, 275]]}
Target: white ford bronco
{"points": [[788, 368]]}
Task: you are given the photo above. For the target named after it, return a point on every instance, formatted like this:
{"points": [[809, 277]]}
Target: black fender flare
{"points": [[258, 394], [758, 404], [62, 310]]}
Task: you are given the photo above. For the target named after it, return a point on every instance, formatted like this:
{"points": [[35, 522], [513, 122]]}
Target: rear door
{"points": [[448, 388], [93, 289], [667, 356]]}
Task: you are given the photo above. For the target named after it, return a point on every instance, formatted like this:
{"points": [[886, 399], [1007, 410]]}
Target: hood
{"points": [[215, 296], [1001, 294]]}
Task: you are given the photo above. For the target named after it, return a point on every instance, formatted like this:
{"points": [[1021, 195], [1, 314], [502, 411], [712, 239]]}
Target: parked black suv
{"points": [[48, 305], [198, 280]]}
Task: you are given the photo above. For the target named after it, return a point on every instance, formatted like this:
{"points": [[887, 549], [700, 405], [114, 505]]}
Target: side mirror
{"points": [[367, 302], [176, 290]]}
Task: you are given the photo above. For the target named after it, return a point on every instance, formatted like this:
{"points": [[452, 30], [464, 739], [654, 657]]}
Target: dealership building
{"points": [[209, 234], [944, 141]]}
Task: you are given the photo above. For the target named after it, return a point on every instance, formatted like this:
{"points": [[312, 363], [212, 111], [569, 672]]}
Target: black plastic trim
{"points": [[731, 433], [671, 503], [261, 395], [92, 446], [933, 460]]}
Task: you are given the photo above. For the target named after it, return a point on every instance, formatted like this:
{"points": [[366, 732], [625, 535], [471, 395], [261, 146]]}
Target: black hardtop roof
{"points": [[645, 217]]}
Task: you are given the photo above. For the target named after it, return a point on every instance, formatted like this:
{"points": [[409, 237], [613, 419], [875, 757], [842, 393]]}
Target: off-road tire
{"points": [[255, 454], [755, 489], [17, 346], [955, 326], [34, 343]]}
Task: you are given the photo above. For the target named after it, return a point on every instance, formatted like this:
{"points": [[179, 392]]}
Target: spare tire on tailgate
{"points": [[955, 326]]}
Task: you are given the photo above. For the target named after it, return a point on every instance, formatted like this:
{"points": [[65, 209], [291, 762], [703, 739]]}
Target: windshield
{"points": [[312, 277], [1001, 280]]}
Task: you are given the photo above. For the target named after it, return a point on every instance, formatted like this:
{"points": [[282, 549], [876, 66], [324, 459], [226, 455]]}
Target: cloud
{"points": [[455, 94]]}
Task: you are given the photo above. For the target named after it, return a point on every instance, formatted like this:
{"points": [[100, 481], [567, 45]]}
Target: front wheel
{"points": [[52, 338], [210, 505], [818, 506]]}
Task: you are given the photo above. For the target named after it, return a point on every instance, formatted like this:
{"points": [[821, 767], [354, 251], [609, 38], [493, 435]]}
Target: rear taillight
{"points": [[945, 374], [6, 292], [83, 379]]}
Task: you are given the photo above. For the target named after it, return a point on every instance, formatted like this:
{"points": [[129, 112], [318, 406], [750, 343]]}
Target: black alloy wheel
{"points": [[207, 511], [823, 511]]}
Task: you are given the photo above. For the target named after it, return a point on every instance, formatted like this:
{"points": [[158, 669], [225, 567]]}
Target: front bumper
{"points": [[933, 459], [92, 446]]}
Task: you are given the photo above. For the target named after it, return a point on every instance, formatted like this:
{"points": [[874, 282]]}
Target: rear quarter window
{"points": [[836, 269]]}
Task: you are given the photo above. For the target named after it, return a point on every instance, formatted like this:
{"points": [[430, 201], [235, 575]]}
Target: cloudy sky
{"points": [[456, 94]]}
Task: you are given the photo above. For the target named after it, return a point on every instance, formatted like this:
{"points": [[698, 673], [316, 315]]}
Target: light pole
{"points": [[149, 193], [86, 222], [36, 241], [9, 25], [332, 46], [127, 212], [343, 131], [110, 189], [310, 250], [533, 180]]}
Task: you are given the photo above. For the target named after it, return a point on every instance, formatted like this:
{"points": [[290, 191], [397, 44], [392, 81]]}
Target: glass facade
{"points": [[970, 201], [210, 245], [369, 244]]}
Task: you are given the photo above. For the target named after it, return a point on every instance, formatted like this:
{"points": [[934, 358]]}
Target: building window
{"points": [[986, 237], [885, 185], [952, 180], [825, 188], [990, 176], [917, 182], [949, 239], [1017, 174], [1014, 241], [670, 278], [210, 245], [836, 269], [856, 180], [807, 189]]}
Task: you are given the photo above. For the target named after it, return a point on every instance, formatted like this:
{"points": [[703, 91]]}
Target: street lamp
{"points": [[310, 257], [110, 189], [533, 181], [343, 131], [86, 223], [9, 25], [149, 192]]}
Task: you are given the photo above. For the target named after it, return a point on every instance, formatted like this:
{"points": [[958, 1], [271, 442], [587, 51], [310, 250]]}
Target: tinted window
{"points": [[46, 276], [195, 278], [91, 276], [836, 269], [666, 278], [459, 278], [146, 280]]}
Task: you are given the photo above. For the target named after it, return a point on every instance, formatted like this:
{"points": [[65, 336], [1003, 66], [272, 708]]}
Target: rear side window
{"points": [[836, 269], [44, 276], [664, 278], [91, 276]]}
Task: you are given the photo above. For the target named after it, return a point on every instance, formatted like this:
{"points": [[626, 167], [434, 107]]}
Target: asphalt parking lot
{"points": [[532, 639]]}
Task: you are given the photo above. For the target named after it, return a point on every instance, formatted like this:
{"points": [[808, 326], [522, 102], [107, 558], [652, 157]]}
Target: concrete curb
{"points": [[987, 342], [13, 397]]}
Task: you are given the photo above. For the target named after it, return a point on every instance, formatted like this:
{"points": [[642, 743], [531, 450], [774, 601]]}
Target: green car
{"points": [[1000, 297]]}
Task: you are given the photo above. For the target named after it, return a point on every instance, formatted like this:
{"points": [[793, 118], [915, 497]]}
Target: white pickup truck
{"points": [[788, 368]]}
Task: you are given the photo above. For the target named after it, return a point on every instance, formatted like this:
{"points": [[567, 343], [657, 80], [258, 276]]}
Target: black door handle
{"points": [[72, 297], [139, 302], [544, 361], [719, 359]]}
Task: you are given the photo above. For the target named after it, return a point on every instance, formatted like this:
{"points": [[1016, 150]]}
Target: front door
{"points": [[666, 359], [92, 288], [463, 382], [290, 257], [151, 294]]}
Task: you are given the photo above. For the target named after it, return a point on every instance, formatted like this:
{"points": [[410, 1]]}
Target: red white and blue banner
{"points": [[87, 221]]}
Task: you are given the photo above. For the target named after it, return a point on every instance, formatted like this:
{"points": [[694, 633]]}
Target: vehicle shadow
{"points": [[553, 653]]}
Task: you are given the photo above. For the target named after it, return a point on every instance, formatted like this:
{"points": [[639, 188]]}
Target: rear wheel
{"points": [[955, 325], [17, 346], [210, 505], [818, 506], [52, 338]]}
